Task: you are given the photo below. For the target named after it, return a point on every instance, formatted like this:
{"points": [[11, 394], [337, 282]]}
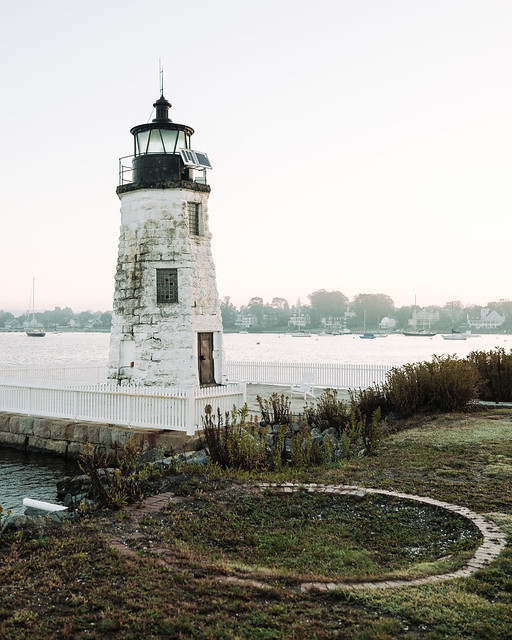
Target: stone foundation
{"points": [[68, 438]]}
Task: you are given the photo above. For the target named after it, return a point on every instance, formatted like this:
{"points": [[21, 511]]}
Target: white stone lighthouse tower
{"points": [[166, 324]]}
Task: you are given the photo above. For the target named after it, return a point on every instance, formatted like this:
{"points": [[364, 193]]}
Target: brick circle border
{"points": [[494, 538]]}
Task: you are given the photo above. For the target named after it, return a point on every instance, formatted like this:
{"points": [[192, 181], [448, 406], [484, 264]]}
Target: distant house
{"points": [[245, 320], [299, 318], [12, 325], [333, 322], [423, 318], [387, 323], [487, 320]]}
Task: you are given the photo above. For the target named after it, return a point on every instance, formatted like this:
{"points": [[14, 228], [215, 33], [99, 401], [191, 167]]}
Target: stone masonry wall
{"points": [[162, 338], [68, 438]]}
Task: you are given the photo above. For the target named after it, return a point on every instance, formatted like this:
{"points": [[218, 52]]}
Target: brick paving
{"points": [[494, 538]]}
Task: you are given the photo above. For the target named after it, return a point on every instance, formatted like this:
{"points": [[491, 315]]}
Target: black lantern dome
{"points": [[157, 145]]}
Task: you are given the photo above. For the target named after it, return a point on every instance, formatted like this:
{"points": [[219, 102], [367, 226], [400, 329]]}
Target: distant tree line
{"points": [[365, 309], [368, 309], [62, 319]]}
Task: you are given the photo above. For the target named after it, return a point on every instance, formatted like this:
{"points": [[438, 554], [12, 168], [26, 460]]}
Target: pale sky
{"points": [[357, 145]]}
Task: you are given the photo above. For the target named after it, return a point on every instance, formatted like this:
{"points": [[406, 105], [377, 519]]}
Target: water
{"points": [[395, 349], [30, 475], [16, 349], [34, 476]]}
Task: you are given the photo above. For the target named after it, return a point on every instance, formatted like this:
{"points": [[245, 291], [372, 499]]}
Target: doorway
{"points": [[205, 357]]}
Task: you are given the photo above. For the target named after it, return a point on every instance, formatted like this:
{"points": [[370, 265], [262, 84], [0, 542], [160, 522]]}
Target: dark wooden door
{"points": [[205, 352]]}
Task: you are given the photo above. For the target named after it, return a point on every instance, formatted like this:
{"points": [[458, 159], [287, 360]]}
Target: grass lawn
{"points": [[226, 561]]}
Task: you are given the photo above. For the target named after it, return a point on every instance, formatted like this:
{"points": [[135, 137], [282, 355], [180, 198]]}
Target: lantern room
{"points": [[158, 151]]}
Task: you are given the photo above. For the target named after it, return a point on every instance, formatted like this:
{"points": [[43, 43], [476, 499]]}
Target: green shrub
{"points": [[495, 370], [446, 383], [407, 388], [305, 453], [368, 401], [328, 412], [275, 410], [454, 384], [233, 440], [4, 519], [119, 481], [215, 435], [357, 423]]}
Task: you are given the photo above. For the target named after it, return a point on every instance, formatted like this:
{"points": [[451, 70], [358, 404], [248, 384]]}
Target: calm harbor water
{"points": [[16, 349], [30, 475], [35, 476]]}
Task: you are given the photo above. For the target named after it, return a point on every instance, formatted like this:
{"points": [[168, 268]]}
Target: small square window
{"points": [[194, 209], [166, 286]]}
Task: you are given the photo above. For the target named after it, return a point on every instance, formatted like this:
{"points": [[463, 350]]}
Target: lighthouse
{"points": [[166, 321]]}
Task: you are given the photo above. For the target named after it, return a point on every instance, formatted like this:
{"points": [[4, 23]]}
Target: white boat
{"points": [[454, 334], [33, 328], [421, 333]]}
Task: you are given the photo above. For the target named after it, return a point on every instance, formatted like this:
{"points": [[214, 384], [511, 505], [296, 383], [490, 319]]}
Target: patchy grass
{"points": [[305, 536], [69, 581]]}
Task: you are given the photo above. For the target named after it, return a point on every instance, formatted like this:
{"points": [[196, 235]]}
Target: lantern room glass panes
{"points": [[169, 138], [142, 141], [156, 144], [161, 141], [182, 142]]}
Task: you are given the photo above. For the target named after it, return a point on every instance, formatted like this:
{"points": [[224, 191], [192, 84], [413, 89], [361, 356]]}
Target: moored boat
{"points": [[33, 328], [423, 333]]}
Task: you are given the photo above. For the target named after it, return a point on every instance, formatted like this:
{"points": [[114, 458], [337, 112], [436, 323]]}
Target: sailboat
{"points": [[300, 333], [32, 328], [454, 335], [366, 334], [419, 333]]}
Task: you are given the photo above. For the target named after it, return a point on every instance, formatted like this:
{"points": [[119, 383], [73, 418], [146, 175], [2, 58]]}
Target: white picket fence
{"points": [[335, 376], [78, 374], [339, 376], [149, 407], [82, 393]]}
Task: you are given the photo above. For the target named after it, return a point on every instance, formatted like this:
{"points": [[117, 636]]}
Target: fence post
{"points": [[130, 409], [75, 405], [191, 411]]}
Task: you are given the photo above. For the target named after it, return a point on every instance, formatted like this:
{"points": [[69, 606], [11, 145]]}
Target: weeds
{"points": [[331, 431], [233, 440], [4, 519], [275, 410], [328, 412], [126, 482]]}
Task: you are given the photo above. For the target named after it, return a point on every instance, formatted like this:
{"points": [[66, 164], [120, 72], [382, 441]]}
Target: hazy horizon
{"points": [[291, 302]]}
